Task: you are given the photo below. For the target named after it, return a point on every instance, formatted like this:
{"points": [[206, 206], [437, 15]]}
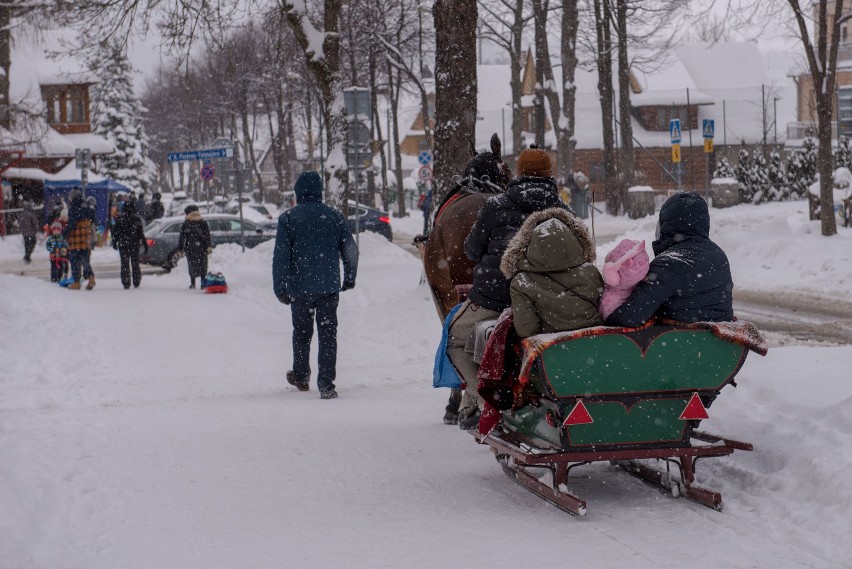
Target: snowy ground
{"points": [[152, 428]]}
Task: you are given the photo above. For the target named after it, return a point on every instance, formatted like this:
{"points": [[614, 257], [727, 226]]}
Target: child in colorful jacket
{"points": [[57, 246]]}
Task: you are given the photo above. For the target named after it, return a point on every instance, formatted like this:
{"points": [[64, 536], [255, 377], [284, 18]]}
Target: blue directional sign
{"points": [[425, 157], [708, 128], [674, 131], [206, 154]]}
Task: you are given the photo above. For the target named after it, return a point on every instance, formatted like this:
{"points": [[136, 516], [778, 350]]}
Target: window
{"points": [[219, 225], [844, 111], [173, 228], [66, 103], [666, 114]]}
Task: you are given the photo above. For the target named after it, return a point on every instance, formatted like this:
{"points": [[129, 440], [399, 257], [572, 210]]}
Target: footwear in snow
{"points": [[451, 418], [469, 421], [75, 285], [297, 382], [330, 394], [91, 284]]}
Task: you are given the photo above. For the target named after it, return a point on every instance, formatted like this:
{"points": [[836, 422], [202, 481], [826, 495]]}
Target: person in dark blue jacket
{"points": [[689, 280], [312, 240]]}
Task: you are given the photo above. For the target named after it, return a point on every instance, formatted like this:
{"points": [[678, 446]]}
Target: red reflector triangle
{"points": [[694, 409], [579, 415]]}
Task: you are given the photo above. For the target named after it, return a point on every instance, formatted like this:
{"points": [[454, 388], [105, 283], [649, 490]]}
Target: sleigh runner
{"points": [[619, 395]]}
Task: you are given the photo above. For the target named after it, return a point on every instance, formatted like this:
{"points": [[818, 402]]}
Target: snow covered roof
{"points": [[50, 145], [37, 61], [97, 144], [69, 172], [668, 86]]}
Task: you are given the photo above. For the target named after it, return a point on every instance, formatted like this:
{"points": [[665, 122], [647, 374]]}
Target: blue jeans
{"points": [[79, 259], [88, 273], [324, 309]]}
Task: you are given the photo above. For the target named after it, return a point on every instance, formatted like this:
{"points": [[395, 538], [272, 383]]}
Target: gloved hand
{"points": [[284, 298], [347, 285], [209, 250]]}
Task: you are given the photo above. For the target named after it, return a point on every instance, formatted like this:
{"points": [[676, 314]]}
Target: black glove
{"points": [[347, 285], [284, 298]]}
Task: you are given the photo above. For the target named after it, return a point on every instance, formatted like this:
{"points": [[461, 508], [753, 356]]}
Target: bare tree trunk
{"points": [[325, 68], [394, 89], [828, 223], [570, 25], [627, 166], [5, 65], [561, 123], [377, 125], [605, 92], [822, 65], [515, 74], [540, 26], [455, 88], [251, 156]]}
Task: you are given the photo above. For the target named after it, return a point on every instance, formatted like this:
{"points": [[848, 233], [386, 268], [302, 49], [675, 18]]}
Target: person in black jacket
{"points": [[128, 235], [155, 209], [689, 280], [498, 221], [195, 243], [312, 242]]}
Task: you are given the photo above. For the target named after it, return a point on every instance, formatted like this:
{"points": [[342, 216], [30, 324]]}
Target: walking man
{"points": [[312, 240]]}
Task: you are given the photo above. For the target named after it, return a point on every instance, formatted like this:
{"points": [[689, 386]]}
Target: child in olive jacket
{"points": [[555, 285]]}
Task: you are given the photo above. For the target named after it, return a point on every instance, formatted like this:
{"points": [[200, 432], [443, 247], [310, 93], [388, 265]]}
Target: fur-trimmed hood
{"points": [[556, 237]]}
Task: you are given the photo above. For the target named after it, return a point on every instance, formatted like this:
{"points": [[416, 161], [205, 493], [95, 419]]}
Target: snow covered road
{"points": [[153, 428]]}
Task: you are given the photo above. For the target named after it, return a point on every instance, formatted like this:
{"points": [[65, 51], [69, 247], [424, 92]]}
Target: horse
{"points": [[442, 251]]}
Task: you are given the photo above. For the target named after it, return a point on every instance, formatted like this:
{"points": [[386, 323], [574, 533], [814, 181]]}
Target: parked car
{"points": [[370, 219], [163, 236]]}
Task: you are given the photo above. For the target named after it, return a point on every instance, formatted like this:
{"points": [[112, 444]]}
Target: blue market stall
{"points": [[101, 190]]}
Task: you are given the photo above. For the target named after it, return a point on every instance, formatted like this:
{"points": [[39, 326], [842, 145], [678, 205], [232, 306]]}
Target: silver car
{"points": [[163, 236]]}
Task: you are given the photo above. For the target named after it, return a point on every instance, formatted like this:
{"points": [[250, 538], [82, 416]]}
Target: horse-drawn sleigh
{"points": [[596, 394], [619, 395]]}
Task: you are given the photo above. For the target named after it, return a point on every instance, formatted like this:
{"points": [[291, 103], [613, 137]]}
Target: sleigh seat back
{"points": [[610, 388]]}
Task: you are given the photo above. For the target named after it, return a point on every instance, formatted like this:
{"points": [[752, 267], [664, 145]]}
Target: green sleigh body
{"points": [[620, 395]]}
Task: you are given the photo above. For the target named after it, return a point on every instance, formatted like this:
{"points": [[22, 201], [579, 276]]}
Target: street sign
{"points": [[675, 153], [674, 131], [708, 145], [207, 171], [425, 174], [206, 154], [357, 102], [708, 128], [425, 157], [83, 158]]}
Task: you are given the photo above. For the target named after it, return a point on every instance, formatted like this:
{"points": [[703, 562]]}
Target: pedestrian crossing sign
{"points": [[675, 153], [674, 131], [708, 127]]}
